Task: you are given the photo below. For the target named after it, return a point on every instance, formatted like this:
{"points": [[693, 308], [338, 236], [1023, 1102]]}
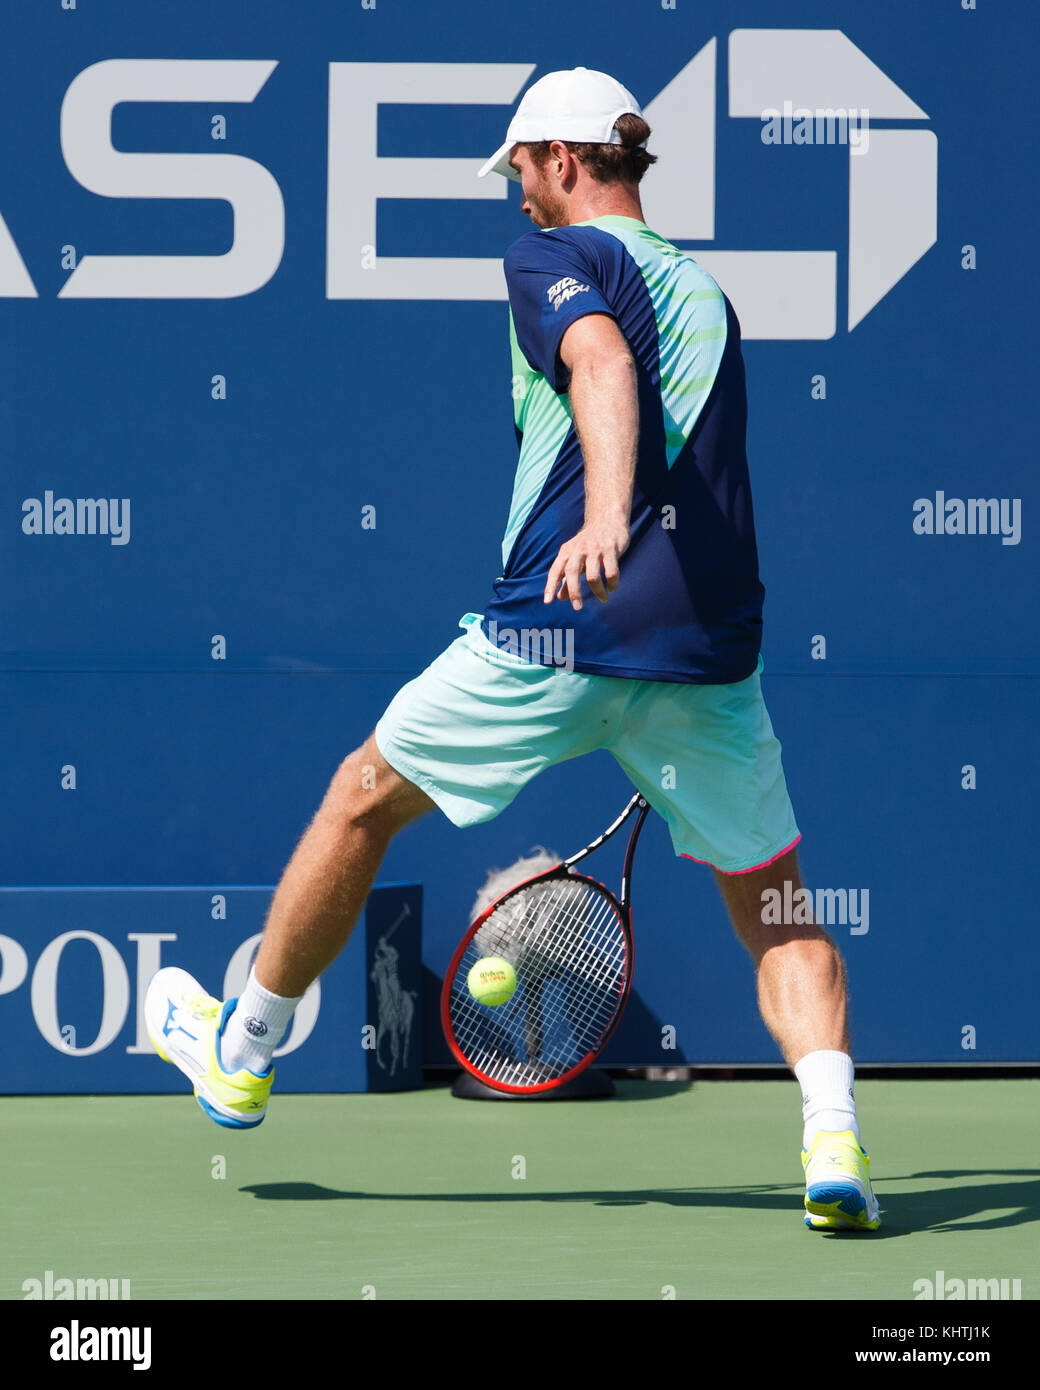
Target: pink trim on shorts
{"points": [[775, 857]]}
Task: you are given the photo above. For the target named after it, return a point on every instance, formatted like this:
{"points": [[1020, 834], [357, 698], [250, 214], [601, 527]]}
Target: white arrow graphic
{"points": [[893, 207], [682, 117], [777, 294], [15, 282], [893, 185], [809, 67]]}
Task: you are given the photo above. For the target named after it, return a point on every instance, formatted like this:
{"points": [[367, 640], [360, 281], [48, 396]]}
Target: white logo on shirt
{"points": [[563, 290]]}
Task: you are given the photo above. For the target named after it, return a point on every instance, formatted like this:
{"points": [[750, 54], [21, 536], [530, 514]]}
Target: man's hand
{"points": [[594, 553]]}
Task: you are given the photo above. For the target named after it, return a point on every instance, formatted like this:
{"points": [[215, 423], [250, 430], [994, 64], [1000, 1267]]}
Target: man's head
{"points": [[553, 172], [577, 145]]}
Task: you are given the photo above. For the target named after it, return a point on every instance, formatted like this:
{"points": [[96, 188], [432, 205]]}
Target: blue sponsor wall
{"points": [[77, 961], [251, 284]]}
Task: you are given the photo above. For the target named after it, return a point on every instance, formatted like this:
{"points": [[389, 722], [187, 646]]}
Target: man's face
{"points": [[542, 200]]}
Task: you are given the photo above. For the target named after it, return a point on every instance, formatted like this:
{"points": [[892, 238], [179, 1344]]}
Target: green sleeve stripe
{"points": [[675, 333], [687, 388]]}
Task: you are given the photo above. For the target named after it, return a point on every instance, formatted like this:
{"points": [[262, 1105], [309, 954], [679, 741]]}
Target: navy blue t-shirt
{"points": [[689, 603]]}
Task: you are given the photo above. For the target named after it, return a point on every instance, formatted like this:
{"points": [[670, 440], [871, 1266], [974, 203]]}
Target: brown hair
{"points": [[624, 163]]}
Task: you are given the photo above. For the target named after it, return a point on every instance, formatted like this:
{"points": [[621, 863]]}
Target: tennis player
{"points": [[628, 616]]}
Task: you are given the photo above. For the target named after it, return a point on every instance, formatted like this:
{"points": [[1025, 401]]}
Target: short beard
{"points": [[552, 208]]}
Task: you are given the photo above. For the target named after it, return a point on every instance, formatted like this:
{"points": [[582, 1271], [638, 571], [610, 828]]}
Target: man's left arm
{"points": [[605, 406]]}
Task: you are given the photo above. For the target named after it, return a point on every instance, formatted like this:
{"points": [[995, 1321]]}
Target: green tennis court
{"points": [[695, 1189]]}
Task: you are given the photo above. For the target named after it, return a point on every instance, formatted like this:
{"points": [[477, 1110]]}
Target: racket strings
{"points": [[567, 943]]}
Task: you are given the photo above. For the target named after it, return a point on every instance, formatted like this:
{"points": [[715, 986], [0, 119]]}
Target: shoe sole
{"points": [[823, 1223], [223, 1119], [838, 1206]]}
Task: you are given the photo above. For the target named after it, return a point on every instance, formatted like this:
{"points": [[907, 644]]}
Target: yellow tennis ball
{"points": [[492, 980]]}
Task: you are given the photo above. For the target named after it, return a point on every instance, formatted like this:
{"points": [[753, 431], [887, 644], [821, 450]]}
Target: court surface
{"points": [[695, 1189]]}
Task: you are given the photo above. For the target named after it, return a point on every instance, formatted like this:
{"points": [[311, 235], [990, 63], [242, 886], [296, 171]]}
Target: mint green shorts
{"points": [[480, 722]]}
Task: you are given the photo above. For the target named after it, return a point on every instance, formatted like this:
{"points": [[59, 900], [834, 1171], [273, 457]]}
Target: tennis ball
{"points": [[492, 980]]}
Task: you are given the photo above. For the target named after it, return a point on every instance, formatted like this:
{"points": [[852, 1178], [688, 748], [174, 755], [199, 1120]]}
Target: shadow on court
{"points": [[940, 1210]]}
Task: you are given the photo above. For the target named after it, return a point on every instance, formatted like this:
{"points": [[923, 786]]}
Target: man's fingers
{"points": [[563, 581], [599, 567], [611, 572], [592, 576], [552, 583], [603, 588], [573, 577]]}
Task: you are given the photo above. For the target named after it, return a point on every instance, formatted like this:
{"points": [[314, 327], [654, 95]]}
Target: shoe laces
{"points": [[202, 1005]]}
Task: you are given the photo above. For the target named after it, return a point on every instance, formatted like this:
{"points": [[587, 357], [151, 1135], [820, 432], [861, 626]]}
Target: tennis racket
{"points": [[569, 940]]}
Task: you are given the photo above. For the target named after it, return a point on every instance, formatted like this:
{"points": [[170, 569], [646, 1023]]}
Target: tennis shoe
{"points": [[838, 1195], [185, 1025]]}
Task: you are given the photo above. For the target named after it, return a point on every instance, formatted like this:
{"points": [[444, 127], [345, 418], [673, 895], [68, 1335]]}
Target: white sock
{"points": [[826, 1079], [255, 1028]]}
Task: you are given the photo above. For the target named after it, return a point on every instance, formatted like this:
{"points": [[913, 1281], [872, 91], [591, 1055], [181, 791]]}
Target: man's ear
{"points": [[558, 150]]}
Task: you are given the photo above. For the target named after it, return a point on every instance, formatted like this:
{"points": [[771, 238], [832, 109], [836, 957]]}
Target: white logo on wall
{"points": [[777, 294], [893, 181], [395, 1007], [120, 1000]]}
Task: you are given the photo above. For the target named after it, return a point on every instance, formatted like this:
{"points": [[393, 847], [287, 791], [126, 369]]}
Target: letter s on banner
{"points": [[258, 226]]}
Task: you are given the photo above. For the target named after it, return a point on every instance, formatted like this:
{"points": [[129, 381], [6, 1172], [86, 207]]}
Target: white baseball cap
{"points": [[580, 105]]}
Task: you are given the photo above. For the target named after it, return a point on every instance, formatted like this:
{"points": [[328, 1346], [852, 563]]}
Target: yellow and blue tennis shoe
{"points": [[185, 1025], [838, 1195]]}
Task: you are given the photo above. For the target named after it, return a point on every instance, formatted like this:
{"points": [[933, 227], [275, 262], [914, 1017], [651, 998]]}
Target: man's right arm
{"points": [[605, 407]]}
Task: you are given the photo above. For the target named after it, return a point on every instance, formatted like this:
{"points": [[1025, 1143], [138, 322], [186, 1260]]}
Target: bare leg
{"points": [[328, 878], [801, 978]]}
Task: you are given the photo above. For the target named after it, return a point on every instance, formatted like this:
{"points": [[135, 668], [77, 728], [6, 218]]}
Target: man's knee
{"points": [[367, 793]]}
